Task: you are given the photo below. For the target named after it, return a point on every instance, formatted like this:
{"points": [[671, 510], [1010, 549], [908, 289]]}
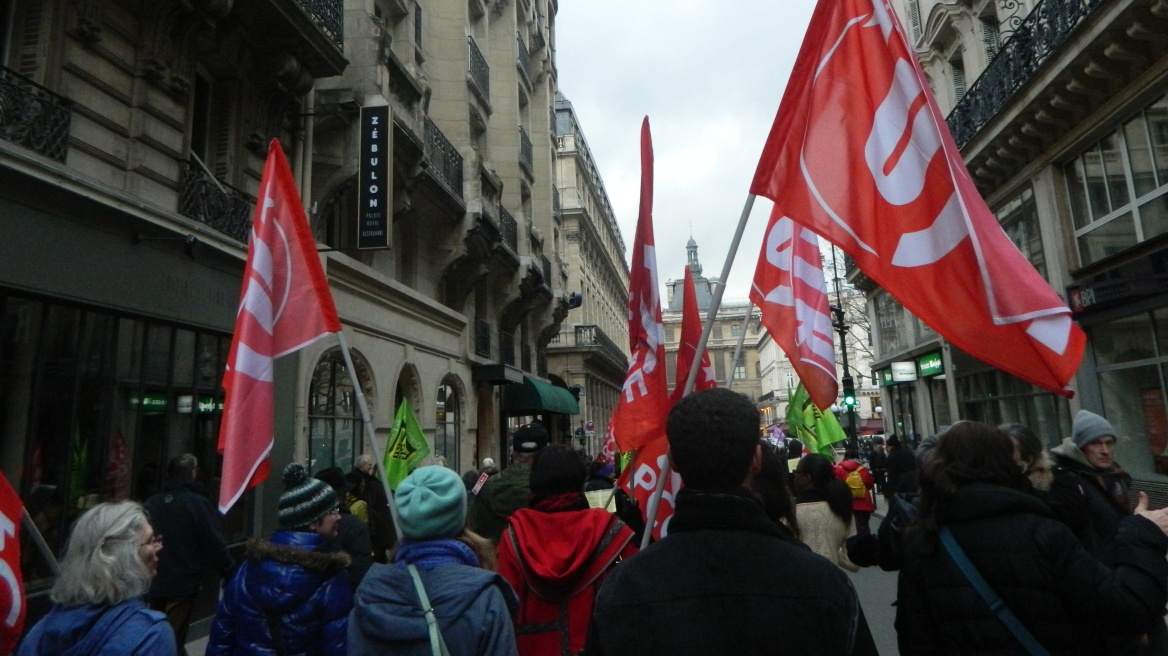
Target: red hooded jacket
{"points": [[868, 503]]}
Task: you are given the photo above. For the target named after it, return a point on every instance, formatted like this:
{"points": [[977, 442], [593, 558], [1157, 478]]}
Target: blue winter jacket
{"points": [[288, 585], [128, 629], [474, 609]]}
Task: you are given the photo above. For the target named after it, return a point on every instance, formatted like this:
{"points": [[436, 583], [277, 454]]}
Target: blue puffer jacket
{"points": [[128, 629], [287, 584]]}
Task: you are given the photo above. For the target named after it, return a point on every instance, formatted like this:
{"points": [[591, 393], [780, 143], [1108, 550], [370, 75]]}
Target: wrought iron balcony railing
{"points": [[218, 205], [329, 17], [510, 229], [32, 116], [482, 338], [594, 336], [1040, 34], [526, 152], [525, 60], [445, 160], [507, 347], [480, 71]]}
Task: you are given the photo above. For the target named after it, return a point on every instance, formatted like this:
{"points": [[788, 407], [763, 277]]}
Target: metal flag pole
{"points": [[368, 421], [715, 303], [39, 540]]}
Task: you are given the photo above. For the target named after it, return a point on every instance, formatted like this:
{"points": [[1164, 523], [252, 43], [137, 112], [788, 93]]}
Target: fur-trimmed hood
{"points": [[1041, 473], [288, 568], [330, 563]]}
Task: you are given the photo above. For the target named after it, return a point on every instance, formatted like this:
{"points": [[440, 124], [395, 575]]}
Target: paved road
{"points": [[877, 591]]}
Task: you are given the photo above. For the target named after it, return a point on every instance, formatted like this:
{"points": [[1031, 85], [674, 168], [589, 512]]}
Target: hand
{"points": [[1157, 517]]}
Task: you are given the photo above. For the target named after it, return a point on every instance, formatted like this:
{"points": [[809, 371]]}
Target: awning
{"points": [[535, 396]]}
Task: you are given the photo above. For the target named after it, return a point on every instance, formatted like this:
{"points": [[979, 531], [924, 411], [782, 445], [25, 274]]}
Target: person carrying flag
{"points": [[508, 491]]}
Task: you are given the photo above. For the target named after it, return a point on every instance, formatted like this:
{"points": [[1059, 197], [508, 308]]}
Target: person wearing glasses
{"points": [[109, 561], [289, 597]]}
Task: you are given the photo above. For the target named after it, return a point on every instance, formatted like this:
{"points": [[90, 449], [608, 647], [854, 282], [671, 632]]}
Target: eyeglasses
{"points": [[156, 540], [334, 511]]}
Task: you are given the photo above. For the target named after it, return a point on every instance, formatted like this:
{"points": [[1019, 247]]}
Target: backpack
{"points": [[856, 484]]}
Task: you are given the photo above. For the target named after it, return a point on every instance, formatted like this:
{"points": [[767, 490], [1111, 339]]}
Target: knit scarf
{"points": [[559, 502], [428, 554]]}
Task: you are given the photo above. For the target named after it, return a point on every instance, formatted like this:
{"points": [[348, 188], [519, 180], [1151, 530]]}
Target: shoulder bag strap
{"points": [[999, 607], [437, 643]]}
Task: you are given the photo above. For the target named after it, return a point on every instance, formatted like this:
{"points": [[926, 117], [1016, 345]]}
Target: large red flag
{"points": [[644, 402], [790, 291], [691, 334], [859, 153], [639, 480], [285, 305], [12, 607]]}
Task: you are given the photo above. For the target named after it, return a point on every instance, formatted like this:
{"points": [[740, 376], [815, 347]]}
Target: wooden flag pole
{"points": [[378, 452], [715, 303]]}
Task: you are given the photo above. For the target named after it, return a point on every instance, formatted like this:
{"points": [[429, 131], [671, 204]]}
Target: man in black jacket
{"points": [[189, 523], [726, 579]]}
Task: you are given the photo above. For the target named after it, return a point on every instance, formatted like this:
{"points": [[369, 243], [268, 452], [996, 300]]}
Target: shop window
{"points": [[447, 427], [334, 416]]}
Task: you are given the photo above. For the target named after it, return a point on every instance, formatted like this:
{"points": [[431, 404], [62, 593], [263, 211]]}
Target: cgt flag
{"points": [[284, 306], [405, 448], [811, 426], [639, 480], [860, 154], [12, 607], [691, 334]]}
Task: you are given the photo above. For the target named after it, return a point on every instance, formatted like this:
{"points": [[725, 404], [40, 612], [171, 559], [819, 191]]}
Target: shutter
{"points": [[26, 54], [914, 15], [958, 79], [989, 37]]}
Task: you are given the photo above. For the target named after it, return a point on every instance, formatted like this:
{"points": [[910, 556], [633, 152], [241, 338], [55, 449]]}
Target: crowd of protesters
{"points": [[1001, 546]]}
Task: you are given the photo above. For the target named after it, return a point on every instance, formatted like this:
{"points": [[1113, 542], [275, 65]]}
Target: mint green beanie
{"points": [[431, 504]]}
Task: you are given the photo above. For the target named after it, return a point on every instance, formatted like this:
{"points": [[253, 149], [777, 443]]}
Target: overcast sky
{"points": [[710, 77]]}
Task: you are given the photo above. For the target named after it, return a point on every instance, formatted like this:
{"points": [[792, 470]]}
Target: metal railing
{"points": [[329, 16], [507, 347], [526, 152], [510, 229], [480, 71], [445, 160], [482, 337], [32, 116], [1036, 38], [546, 270], [218, 205], [594, 336], [525, 60]]}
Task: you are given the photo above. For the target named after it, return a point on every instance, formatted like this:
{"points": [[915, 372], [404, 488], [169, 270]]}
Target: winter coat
{"points": [[727, 580], [381, 529], [1060, 592], [194, 539], [289, 585], [474, 608], [353, 539], [824, 532], [503, 494], [556, 562], [901, 463], [127, 629], [868, 503], [1088, 499]]}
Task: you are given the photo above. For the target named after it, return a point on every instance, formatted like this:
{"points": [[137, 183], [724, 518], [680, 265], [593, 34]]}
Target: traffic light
{"points": [[849, 392]]}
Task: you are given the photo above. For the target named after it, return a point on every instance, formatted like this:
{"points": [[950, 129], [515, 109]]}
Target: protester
{"points": [[727, 579], [599, 475], [824, 509], [1039, 466], [877, 463], [859, 482], [473, 607], [488, 467], [507, 491], [289, 597], [353, 537], [372, 492], [196, 544], [770, 483], [973, 486], [109, 561], [901, 463], [556, 554]]}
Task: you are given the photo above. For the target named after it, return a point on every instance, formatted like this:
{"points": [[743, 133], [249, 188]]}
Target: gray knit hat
{"points": [[305, 499], [1089, 427]]}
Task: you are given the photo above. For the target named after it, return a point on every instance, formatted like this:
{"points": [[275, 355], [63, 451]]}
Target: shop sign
{"points": [[373, 205], [930, 365], [886, 378], [149, 402], [904, 372]]}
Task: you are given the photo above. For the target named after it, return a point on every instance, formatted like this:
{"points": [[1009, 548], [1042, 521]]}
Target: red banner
{"points": [[11, 584], [639, 479], [691, 334]]}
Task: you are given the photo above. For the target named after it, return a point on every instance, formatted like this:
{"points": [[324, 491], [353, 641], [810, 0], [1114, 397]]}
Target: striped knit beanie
{"points": [[305, 499]]}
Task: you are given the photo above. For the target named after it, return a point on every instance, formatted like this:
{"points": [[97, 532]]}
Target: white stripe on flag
{"points": [[258, 304], [252, 363]]}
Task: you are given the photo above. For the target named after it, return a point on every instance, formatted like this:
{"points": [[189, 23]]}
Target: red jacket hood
{"points": [[563, 551]]}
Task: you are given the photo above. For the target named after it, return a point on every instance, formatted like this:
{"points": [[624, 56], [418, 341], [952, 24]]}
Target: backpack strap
{"points": [[437, 643], [999, 607]]}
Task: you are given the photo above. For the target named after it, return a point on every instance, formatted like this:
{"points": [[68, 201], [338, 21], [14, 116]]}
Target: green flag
{"points": [[808, 424], [406, 447]]}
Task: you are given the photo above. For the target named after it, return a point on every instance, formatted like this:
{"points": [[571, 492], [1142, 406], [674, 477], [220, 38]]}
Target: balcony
{"points": [[587, 335], [479, 75], [445, 160], [32, 116], [524, 61], [219, 205], [482, 338], [311, 30], [526, 152], [510, 229]]}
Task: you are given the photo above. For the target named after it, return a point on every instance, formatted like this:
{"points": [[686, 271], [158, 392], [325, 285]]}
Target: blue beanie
{"points": [[431, 504], [1089, 427]]}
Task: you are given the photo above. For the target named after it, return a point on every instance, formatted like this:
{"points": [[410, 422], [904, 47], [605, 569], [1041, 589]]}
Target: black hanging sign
{"points": [[373, 201]]}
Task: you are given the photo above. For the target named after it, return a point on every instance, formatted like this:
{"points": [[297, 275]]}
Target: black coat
{"points": [[727, 580], [193, 541], [1067, 598]]}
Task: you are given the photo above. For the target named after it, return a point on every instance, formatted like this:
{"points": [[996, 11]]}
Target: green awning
{"points": [[535, 396]]}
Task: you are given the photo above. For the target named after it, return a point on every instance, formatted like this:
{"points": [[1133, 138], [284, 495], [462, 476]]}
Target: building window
{"points": [[990, 36], [735, 330], [914, 16], [334, 420], [888, 315], [448, 421], [957, 72], [1118, 186], [1019, 218], [740, 371]]}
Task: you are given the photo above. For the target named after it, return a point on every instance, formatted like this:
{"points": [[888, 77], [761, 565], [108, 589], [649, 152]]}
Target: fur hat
{"points": [[530, 438], [305, 499], [1089, 427], [431, 504]]}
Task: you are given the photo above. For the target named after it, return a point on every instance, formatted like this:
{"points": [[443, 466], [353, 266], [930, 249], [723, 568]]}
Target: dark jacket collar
{"points": [[980, 500], [735, 509]]}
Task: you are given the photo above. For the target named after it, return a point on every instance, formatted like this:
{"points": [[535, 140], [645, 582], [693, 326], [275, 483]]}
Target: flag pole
{"points": [[738, 348], [39, 540], [715, 303], [368, 422]]}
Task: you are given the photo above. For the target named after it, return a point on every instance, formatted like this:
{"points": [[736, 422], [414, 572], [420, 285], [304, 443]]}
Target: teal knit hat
{"points": [[431, 504]]}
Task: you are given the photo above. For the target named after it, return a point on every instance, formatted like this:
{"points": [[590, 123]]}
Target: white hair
{"points": [[101, 564], [364, 459]]}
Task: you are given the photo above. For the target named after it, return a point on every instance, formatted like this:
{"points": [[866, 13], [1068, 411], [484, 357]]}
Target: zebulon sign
{"points": [[373, 220]]}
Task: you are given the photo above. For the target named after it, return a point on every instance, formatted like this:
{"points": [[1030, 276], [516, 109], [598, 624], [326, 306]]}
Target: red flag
{"points": [[639, 479], [117, 469], [790, 291], [608, 451], [691, 334], [12, 604], [644, 402], [285, 305], [859, 153]]}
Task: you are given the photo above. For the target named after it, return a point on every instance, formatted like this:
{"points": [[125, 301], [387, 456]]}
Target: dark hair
{"points": [[1030, 446], [180, 467], [851, 454], [771, 485], [969, 452], [821, 474], [557, 469], [712, 438]]}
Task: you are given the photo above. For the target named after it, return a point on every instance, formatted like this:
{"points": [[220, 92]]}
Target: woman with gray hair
{"points": [[109, 561]]}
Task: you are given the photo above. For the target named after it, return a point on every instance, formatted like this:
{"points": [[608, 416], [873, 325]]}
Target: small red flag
{"points": [[790, 291], [639, 480], [12, 606], [285, 305], [859, 153], [644, 402], [691, 334]]}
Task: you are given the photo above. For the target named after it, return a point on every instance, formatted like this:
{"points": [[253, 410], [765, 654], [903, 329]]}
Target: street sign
{"points": [[589, 427]]}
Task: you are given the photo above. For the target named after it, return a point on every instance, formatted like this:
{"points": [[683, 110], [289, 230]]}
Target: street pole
{"points": [[842, 328]]}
